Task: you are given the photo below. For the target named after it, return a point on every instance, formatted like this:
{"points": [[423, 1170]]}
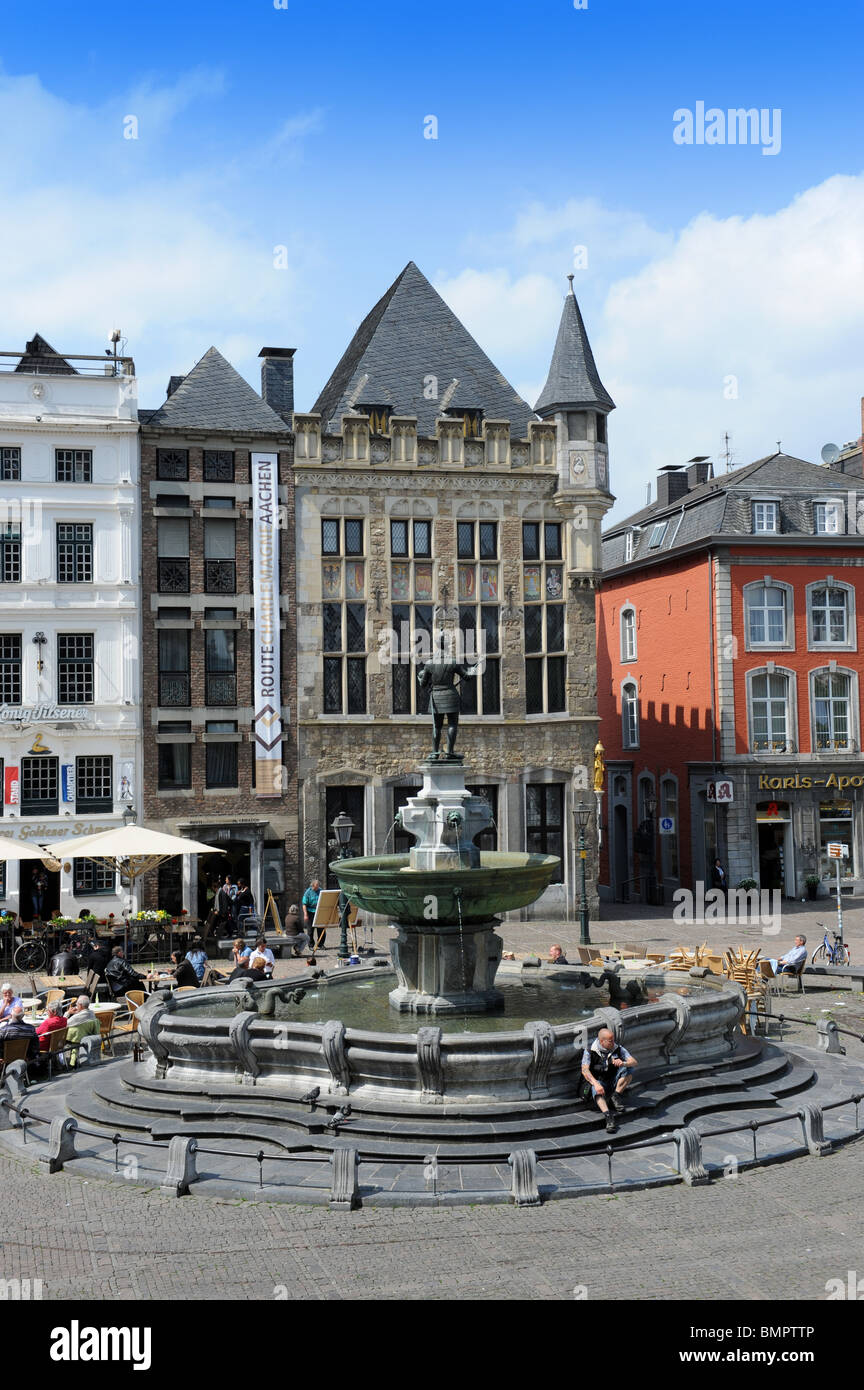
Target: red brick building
{"points": [[730, 652]]}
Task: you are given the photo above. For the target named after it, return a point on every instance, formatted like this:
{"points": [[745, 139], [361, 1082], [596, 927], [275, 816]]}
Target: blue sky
{"points": [[723, 289]]}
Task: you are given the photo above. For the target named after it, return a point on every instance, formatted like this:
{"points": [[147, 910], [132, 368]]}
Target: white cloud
{"points": [[505, 314], [775, 301], [102, 236]]}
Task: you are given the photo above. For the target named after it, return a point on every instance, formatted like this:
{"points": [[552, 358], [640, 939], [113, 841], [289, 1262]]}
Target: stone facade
{"points": [[444, 480]]}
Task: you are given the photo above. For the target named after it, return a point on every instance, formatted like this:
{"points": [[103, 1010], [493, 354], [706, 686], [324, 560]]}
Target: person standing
{"points": [[38, 889], [244, 903], [310, 904]]}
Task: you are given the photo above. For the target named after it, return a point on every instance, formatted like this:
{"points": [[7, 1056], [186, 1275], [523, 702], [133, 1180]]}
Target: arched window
{"points": [[768, 608], [833, 711], [771, 717], [831, 615], [630, 714], [628, 634], [669, 840]]}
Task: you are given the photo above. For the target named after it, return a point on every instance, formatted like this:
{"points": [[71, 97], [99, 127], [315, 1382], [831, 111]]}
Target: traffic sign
{"points": [[667, 825]]}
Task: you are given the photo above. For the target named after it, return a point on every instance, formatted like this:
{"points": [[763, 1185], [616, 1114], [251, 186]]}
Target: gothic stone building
{"points": [[430, 496], [200, 623]]}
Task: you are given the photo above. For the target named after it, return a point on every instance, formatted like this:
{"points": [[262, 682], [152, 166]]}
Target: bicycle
{"points": [[828, 953]]}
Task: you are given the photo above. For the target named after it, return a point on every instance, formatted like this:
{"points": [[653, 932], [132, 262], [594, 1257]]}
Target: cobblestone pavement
{"points": [[734, 1240]]}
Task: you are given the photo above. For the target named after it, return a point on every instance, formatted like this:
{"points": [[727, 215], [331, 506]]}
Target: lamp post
{"points": [[581, 816], [343, 829]]}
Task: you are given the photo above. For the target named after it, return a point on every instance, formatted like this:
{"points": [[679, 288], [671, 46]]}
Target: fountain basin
{"points": [[388, 885], [189, 1046]]}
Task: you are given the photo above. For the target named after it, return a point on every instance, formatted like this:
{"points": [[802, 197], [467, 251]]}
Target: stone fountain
{"points": [[443, 898], [335, 1069]]}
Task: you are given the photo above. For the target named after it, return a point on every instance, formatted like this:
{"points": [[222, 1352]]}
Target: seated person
{"points": [[297, 937], [197, 958], [184, 971], [49, 1025], [63, 963], [8, 1001], [79, 1011], [98, 957], [240, 952], [607, 1072], [557, 956], [17, 1027], [794, 958], [120, 976], [261, 957], [81, 1022]]}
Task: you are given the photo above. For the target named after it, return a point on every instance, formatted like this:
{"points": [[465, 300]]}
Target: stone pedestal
{"points": [[443, 970], [444, 817]]}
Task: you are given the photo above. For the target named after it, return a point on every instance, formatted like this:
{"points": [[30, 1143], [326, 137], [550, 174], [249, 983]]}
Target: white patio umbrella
{"points": [[21, 849], [130, 849]]}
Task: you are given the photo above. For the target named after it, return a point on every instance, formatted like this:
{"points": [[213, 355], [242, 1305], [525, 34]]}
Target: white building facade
{"points": [[69, 618]]}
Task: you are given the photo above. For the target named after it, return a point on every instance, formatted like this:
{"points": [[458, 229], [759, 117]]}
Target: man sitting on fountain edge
{"points": [[607, 1069]]}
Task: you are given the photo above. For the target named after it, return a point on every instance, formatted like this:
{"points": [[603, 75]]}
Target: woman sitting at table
{"points": [[197, 958], [184, 971], [8, 1000], [50, 1024]]}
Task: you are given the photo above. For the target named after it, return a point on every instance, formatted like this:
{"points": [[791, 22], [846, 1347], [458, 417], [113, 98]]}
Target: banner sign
{"points": [[11, 786], [267, 721], [68, 777]]}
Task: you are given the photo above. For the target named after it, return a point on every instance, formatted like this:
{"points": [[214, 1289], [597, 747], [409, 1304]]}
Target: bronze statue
{"points": [[444, 700]]}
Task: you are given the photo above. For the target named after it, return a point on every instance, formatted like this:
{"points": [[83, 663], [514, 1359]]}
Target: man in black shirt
{"points": [[120, 975]]}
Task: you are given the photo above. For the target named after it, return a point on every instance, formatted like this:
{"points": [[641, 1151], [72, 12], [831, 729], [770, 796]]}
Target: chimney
{"points": [[699, 472], [671, 484], [277, 380], [173, 383]]}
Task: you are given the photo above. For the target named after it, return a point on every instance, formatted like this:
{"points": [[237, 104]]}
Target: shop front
{"points": [[780, 823]]}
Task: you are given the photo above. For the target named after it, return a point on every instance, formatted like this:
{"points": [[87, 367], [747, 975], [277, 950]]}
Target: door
{"points": [[50, 898], [619, 854]]}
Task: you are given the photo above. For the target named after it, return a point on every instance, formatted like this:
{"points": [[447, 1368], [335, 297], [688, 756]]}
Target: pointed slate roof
{"points": [[409, 336], [573, 382], [39, 356], [215, 397]]}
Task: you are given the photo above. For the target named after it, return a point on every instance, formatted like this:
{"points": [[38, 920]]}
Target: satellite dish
{"points": [[830, 453]]}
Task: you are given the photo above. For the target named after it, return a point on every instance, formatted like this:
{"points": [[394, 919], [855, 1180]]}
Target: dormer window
{"points": [[766, 517], [379, 418], [657, 534], [828, 517], [628, 546], [472, 421]]}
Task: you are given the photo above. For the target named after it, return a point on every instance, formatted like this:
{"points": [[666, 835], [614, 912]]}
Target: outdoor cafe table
{"points": [[59, 982]]}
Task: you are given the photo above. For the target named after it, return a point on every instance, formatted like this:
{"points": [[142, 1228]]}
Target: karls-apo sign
{"points": [[837, 781], [265, 589]]}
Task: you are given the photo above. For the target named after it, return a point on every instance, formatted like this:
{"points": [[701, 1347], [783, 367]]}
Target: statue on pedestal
{"points": [[439, 675]]}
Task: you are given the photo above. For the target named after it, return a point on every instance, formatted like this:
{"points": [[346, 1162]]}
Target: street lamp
{"points": [[581, 816], [343, 829]]}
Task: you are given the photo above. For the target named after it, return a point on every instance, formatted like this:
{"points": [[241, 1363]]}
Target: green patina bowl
{"points": [[386, 884]]}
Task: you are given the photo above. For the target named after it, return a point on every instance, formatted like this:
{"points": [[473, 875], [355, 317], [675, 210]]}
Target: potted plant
{"points": [[811, 883], [747, 884]]}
